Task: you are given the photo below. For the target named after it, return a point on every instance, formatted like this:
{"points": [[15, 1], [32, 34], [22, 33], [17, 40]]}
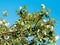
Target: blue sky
{"points": [[32, 6]]}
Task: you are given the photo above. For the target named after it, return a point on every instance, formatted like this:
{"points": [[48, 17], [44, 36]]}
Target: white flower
{"points": [[20, 7], [7, 24], [7, 37], [28, 26], [52, 27], [14, 25], [29, 34], [1, 22], [42, 24], [48, 26], [0, 38], [38, 30], [45, 33], [4, 13], [57, 37], [22, 23], [47, 13], [10, 30], [44, 38], [40, 39], [51, 41], [42, 5], [45, 20], [4, 21]]}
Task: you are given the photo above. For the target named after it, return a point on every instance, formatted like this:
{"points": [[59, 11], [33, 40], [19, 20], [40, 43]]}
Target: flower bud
{"points": [[20, 7], [43, 6]]}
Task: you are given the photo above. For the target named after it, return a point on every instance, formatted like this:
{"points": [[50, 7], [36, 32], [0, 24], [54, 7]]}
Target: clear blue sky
{"points": [[32, 6]]}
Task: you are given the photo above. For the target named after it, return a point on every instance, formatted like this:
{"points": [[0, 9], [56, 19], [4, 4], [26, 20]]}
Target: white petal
{"points": [[20, 7], [42, 24], [45, 20], [48, 26], [38, 30], [6, 24], [14, 25], [1, 22], [52, 27], [42, 5], [22, 23], [44, 38], [45, 33], [10, 30], [51, 41], [0, 38], [7, 37], [40, 39], [28, 26], [47, 13], [57, 37]]}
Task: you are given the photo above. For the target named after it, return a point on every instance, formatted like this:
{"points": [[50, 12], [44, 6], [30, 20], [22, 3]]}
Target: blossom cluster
{"points": [[39, 26]]}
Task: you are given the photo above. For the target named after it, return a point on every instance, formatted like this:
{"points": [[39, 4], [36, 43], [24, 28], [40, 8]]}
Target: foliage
{"points": [[39, 26]]}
